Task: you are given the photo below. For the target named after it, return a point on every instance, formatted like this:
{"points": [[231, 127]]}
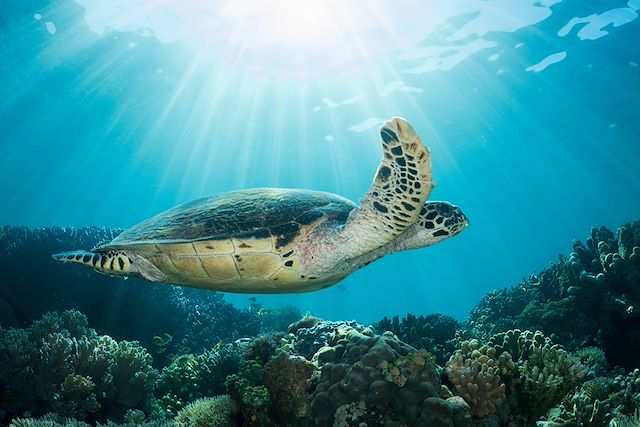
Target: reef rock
{"points": [[379, 380]]}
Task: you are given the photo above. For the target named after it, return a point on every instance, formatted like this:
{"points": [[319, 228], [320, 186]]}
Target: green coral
{"points": [[632, 420], [60, 365], [403, 368], [548, 375], [190, 377], [53, 420], [276, 319], [519, 344], [579, 411], [208, 412], [350, 414], [594, 359], [47, 421], [246, 387]]}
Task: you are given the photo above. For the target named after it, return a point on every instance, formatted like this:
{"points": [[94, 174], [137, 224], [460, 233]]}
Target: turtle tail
{"points": [[110, 262]]}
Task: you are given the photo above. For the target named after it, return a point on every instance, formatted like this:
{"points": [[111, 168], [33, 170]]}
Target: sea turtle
{"points": [[270, 240]]}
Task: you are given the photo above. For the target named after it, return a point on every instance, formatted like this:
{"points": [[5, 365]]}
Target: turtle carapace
{"points": [[270, 240]]}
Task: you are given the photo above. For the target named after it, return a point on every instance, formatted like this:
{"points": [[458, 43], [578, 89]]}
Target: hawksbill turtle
{"points": [[269, 240]]}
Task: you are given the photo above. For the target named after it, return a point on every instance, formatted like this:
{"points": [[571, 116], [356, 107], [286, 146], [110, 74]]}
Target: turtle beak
{"points": [[459, 219], [464, 218]]}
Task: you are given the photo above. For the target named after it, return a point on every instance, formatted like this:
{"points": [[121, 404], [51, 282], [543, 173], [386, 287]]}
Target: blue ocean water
{"points": [[110, 114]]}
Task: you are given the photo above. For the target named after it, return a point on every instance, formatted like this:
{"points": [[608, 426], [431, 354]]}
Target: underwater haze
{"points": [[112, 112]]}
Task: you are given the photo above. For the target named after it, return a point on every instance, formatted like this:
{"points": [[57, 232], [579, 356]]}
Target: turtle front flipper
{"points": [[401, 185], [115, 263]]}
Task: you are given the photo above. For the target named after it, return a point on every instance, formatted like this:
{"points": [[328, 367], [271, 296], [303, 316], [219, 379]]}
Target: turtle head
{"points": [[438, 221], [443, 219]]}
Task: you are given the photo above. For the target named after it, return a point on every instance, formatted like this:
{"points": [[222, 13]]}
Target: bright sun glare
{"points": [[284, 33], [285, 22]]}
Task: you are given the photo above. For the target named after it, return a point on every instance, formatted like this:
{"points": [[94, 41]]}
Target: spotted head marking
{"points": [[442, 219]]}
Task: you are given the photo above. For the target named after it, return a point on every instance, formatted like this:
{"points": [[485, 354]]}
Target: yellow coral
{"points": [[478, 376]]}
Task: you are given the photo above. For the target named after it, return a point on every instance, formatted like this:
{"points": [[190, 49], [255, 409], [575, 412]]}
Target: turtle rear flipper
{"points": [[114, 263], [111, 262], [401, 185]]}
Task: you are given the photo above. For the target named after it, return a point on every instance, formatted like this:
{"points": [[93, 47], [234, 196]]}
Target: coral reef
{"points": [[215, 411], [434, 332], [548, 375], [478, 375], [589, 298], [311, 334], [353, 368], [199, 319], [248, 390], [287, 380], [60, 365], [510, 364], [191, 376]]}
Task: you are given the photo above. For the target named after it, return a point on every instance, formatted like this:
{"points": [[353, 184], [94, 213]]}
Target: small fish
{"points": [[342, 288], [253, 299]]}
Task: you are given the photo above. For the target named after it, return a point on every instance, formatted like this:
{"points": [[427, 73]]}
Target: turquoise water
{"points": [[109, 115]]}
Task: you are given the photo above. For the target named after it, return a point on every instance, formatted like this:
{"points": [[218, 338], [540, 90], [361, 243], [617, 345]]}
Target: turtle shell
{"points": [[255, 213]]}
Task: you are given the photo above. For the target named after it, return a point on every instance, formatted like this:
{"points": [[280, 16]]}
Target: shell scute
{"points": [[255, 213]]}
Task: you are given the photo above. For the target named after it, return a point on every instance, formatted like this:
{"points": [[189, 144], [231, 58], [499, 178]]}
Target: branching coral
{"points": [[275, 319], [579, 411], [215, 411], [631, 420], [610, 262], [190, 376], [434, 332], [208, 319], [548, 375], [60, 365], [478, 375], [594, 359], [248, 390], [519, 344]]}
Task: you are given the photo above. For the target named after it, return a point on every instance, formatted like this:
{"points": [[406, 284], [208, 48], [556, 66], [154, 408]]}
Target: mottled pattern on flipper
{"points": [[401, 185]]}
